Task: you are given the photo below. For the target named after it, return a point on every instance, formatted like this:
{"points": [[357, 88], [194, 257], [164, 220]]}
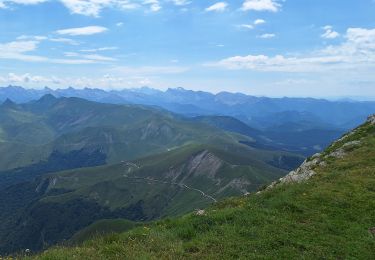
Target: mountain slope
{"points": [[315, 122], [327, 213], [163, 185], [32, 132], [76, 154]]}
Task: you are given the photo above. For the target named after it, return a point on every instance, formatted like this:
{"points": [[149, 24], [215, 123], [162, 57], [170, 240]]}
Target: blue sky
{"points": [[318, 48]]}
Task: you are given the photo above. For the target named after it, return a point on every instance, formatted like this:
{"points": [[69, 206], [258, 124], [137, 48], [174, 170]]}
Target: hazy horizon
{"points": [[330, 98]]}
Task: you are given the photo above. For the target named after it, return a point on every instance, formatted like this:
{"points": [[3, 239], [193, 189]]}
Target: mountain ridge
{"points": [[305, 118]]}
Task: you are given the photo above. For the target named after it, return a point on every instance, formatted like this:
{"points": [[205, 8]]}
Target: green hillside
{"points": [[31, 132], [102, 227], [323, 210], [164, 185], [67, 163]]}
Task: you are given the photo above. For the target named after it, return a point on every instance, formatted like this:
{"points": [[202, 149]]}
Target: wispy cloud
{"points": [[154, 5], [217, 7], [259, 21], [88, 30], [181, 2], [16, 51], [97, 57], [64, 40], [267, 36], [100, 49], [150, 70], [252, 25], [20, 50], [105, 81], [5, 3], [329, 33], [358, 50]]}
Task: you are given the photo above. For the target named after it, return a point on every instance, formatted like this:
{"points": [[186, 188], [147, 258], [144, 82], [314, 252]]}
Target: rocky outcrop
{"points": [[302, 173], [341, 152], [204, 164], [307, 169], [371, 119]]}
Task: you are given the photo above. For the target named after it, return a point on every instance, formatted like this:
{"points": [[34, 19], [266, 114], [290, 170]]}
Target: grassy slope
{"points": [[102, 227], [30, 132], [108, 186], [327, 217]]}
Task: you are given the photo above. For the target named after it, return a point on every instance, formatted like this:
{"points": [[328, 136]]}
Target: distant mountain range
{"points": [[250, 109], [302, 125]]}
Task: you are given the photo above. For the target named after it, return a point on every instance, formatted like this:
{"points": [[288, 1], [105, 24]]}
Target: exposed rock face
{"points": [[306, 170], [302, 173], [203, 163], [341, 152], [371, 119], [240, 184], [156, 129], [200, 212]]}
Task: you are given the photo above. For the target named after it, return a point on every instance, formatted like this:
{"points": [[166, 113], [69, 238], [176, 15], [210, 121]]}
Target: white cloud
{"points": [[154, 5], [181, 2], [25, 78], [19, 50], [100, 49], [261, 5], [86, 7], [16, 51], [251, 26], [39, 38], [25, 2], [259, 21], [246, 26], [150, 70], [106, 81], [5, 3], [278, 63], [267, 36], [218, 7], [89, 57], [31, 37], [64, 40], [89, 30], [119, 24], [72, 61], [357, 51], [94, 7], [329, 33], [97, 57], [71, 54]]}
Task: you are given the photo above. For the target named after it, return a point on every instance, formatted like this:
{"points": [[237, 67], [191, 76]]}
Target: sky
{"points": [[304, 48]]}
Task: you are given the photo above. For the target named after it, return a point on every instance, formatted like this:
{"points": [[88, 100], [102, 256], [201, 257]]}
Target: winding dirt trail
{"points": [[174, 183]]}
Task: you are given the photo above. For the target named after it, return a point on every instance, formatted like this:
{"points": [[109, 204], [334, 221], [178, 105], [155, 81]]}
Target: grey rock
{"points": [[371, 119]]}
